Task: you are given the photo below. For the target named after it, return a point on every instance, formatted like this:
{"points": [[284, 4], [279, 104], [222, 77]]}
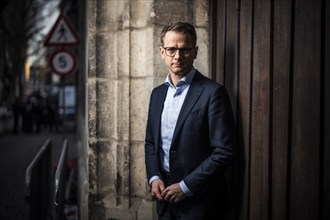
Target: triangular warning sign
{"points": [[62, 33]]}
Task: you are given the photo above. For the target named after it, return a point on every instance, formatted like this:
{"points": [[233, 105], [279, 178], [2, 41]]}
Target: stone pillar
{"points": [[124, 65]]}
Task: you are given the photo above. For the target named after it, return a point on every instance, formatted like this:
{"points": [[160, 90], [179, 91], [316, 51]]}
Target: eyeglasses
{"points": [[171, 51]]}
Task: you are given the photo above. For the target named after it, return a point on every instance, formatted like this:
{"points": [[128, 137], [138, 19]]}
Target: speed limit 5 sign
{"points": [[63, 62]]}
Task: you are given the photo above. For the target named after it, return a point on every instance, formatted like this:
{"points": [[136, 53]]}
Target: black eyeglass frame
{"points": [[185, 51]]}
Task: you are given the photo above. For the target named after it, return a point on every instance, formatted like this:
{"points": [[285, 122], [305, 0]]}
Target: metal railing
{"points": [[60, 183], [38, 183]]}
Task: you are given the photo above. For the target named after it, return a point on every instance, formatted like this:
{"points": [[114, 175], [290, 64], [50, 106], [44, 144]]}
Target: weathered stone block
{"points": [[91, 16], [142, 14], [170, 11], [107, 100], [106, 55], [92, 114], [142, 52], [123, 113], [107, 173], [147, 210], [92, 166], [139, 102], [202, 61], [92, 57], [139, 186], [112, 15], [201, 12], [123, 53]]}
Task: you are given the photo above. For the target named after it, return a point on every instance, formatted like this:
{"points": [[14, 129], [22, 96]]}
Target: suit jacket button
{"points": [[173, 154]]}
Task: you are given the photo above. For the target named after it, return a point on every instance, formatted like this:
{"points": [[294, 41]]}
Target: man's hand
{"points": [[173, 193], [157, 187]]}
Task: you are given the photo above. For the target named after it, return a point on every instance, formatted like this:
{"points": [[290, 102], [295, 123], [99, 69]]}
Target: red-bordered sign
{"points": [[63, 62], [62, 33]]}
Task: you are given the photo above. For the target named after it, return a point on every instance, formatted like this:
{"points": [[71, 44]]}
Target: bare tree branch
{"points": [[21, 25]]}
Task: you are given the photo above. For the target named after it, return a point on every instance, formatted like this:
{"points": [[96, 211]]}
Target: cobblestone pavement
{"points": [[16, 153]]}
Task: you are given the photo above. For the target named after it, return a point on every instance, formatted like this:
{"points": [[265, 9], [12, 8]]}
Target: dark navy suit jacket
{"points": [[203, 146]]}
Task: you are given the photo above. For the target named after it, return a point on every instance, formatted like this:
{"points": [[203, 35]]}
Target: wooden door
{"points": [[273, 57]]}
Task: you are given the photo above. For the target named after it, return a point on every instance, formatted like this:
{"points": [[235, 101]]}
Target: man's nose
{"points": [[177, 54]]}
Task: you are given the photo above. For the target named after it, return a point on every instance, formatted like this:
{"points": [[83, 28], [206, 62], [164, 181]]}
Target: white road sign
{"points": [[62, 33], [63, 62]]}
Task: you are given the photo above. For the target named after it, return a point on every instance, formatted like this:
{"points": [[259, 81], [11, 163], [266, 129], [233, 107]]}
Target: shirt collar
{"points": [[185, 80]]}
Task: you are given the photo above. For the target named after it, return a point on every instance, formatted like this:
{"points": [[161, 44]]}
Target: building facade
{"points": [[123, 66]]}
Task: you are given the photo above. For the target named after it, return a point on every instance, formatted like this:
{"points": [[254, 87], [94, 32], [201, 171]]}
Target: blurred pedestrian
{"points": [[28, 115], [17, 111]]}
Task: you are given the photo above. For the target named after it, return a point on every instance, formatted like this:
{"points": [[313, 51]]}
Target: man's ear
{"points": [[196, 51], [162, 52]]}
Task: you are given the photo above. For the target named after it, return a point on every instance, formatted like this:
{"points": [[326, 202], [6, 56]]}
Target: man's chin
{"points": [[181, 74]]}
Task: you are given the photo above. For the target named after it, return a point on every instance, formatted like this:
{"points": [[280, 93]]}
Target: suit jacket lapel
{"points": [[193, 94]]}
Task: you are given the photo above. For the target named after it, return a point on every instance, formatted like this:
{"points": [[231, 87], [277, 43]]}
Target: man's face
{"points": [[180, 64]]}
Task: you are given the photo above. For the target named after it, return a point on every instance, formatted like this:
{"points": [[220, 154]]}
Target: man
{"points": [[190, 134]]}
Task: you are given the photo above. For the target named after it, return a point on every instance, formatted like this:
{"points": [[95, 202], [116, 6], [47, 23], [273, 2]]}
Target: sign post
{"points": [[63, 62]]}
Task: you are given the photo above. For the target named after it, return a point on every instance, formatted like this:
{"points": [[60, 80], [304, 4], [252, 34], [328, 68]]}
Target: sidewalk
{"points": [[17, 151]]}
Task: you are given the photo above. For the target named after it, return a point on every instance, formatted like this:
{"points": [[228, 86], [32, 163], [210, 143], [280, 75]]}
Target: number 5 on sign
{"points": [[63, 62]]}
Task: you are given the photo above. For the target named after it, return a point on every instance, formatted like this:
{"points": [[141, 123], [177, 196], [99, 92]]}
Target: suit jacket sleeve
{"points": [[220, 132]]}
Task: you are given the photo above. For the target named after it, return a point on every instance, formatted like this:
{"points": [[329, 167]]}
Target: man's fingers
{"points": [[157, 196], [168, 195], [157, 187]]}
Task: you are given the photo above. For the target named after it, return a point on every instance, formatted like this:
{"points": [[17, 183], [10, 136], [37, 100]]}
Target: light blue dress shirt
{"points": [[174, 100]]}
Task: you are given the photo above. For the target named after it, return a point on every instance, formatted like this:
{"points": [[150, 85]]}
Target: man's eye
{"points": [[171, 50]]}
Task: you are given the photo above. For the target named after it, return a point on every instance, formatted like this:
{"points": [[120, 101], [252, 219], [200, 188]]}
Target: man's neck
{"points": [[175, 78]]}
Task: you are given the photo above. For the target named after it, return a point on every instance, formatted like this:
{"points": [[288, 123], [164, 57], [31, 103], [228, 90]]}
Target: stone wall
{"points": [[124, 65]]}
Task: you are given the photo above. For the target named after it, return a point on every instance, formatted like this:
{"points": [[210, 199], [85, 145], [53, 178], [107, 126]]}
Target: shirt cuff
{"points": [[185, 189], [152, 179]]}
